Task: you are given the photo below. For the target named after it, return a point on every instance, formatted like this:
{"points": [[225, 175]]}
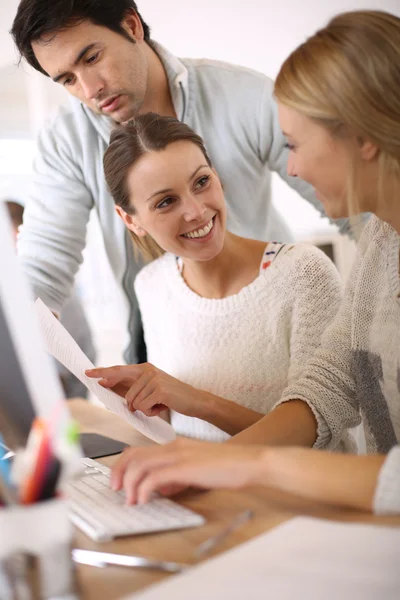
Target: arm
{"points": [[53, 235], [150, 390], [327, 385], [323, 477], [358, 482], [317, 290]]}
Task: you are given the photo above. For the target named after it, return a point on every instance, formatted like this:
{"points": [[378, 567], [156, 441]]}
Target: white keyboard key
{"points": [[102, 513]]}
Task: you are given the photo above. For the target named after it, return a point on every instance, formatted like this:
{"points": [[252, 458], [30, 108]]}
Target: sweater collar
{"points": [[177, 75]]}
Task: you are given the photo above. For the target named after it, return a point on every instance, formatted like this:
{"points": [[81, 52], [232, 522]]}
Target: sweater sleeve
{"points": [[326, 384], [317, 292], [274, 153], [387, 493], [53, 234]]}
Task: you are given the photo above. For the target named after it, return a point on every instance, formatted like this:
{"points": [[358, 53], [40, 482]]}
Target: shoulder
{"points": [[233, 77], [375, 232], [71, 127], [157, 270], [306, 264]]}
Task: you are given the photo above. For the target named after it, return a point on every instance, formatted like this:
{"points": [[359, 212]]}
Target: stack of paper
{"points": [[64, 348], [303, 559]]}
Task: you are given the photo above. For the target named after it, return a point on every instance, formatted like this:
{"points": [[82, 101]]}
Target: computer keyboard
{"points": [[102, 514]]}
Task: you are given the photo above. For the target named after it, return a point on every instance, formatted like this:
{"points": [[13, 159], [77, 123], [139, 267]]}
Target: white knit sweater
{"points": [[355, 374], [246, 348]]}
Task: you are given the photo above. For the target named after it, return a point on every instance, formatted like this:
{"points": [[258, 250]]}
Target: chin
{"points": [[335, 208]]}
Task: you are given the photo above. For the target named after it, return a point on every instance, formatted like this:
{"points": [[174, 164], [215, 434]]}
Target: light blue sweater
{"points": [[231, 107]]}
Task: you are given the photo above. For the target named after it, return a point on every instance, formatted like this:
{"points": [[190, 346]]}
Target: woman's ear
{"points": [[130, 222], [368, 149]]}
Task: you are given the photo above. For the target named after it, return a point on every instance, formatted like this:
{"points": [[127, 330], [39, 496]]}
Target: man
{"points": [[101, 52], [73, 317]]}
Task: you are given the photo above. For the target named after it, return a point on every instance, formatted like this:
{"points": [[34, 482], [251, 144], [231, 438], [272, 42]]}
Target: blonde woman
{"points": [[339, 106]]}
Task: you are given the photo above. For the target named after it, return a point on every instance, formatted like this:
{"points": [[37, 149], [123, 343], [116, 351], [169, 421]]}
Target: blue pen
{"points": [[5, 466]]}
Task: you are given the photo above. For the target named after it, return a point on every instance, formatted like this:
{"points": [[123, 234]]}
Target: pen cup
{"points": [[35, 552]]}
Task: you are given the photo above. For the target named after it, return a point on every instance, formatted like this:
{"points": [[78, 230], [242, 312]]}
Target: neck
{"points": [[236, 266], [158, 97]]}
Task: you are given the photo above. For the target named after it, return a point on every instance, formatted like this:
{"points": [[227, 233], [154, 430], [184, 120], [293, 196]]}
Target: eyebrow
{"points": [[170, 189], [78, 59]]}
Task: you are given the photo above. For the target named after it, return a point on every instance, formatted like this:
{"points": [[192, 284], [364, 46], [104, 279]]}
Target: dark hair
{"points": [[37, 18], [128, 144]]}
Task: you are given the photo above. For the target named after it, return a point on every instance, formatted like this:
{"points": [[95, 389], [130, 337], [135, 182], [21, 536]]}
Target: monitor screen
{"points": [[29, 384], [16, 407]]}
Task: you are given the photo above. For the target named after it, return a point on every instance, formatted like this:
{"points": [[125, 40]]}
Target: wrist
{"points": [[260, 470], [203, 406]]}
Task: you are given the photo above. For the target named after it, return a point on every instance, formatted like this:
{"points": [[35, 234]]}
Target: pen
{"points": [[41, 455], [52, 475], [209, 544]]}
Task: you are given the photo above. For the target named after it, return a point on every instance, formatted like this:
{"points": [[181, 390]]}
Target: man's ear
{"points": [[368, 149], [133, 26], [130, 222]]}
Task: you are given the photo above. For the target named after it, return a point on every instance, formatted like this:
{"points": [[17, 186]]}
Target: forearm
{"points": [[290, 424], [329, 478], [225, 414]]}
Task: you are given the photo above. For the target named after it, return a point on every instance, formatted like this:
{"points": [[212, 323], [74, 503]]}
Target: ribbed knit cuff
{"points": [[387, 493]]}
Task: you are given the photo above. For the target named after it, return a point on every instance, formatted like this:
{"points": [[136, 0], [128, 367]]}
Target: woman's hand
{"points": [[183, 463], [150, 390]]}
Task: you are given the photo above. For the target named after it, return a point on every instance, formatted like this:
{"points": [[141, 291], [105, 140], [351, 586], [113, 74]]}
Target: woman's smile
{"points": [[201, 234]]}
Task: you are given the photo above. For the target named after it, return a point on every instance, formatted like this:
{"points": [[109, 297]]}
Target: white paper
{"points": [[64, 348], [303, 559]]}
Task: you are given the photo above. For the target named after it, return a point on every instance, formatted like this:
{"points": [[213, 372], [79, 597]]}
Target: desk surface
{"points": [[218, 507]]}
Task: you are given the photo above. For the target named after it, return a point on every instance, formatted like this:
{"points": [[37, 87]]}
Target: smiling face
{"points": [[103, 69], [177, 199], [318, 158]]}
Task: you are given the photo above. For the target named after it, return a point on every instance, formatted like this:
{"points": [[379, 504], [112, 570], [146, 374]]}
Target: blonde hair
{"points": [[347, 78]]}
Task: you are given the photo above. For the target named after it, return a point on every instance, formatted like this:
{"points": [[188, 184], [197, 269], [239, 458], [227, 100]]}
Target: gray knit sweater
{"points": [[355, 374]]}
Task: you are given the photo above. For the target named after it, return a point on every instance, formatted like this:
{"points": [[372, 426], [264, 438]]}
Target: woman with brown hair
{"points": [[339, 106], [228, 321]]}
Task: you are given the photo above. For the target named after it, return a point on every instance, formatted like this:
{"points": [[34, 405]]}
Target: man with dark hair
{"points": [[102, 53]]}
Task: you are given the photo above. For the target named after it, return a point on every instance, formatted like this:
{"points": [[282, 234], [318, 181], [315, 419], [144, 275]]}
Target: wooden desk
{"points": [[218, 507]]}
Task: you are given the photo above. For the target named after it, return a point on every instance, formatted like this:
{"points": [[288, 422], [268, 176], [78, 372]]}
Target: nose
{"points": [[194, 208], [291, 169], [91, 86]]}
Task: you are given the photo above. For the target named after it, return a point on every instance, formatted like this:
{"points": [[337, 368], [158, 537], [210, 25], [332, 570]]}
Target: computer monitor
{"points": [[29, 384]]}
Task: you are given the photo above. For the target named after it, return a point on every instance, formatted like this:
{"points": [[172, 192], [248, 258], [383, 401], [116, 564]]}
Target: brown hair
{"points": [[347, 78], [128, 144]]}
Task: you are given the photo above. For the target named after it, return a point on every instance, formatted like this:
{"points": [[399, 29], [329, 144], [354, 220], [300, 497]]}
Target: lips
{"points": [[202, 233], [110, 104]]}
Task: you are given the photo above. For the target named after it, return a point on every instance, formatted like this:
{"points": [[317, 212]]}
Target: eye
{"points": [[68, 81], [202, 182], [289, 146], [92, 59], [165, 202]]}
